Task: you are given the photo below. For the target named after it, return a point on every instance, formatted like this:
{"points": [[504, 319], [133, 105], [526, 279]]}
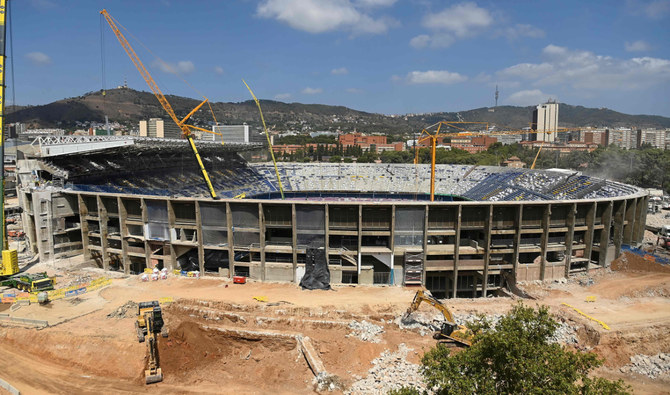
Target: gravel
{"points": [[652, 366], [122, 311], [365, 331], [390, 371]]}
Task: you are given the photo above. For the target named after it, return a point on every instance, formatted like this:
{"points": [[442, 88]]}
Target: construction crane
{"points": [[185, 128], [10, 261], [427, 135]]}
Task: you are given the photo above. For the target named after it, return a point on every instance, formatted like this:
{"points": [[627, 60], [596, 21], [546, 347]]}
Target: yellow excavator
{"points": [[149, 324], [450, 330]]}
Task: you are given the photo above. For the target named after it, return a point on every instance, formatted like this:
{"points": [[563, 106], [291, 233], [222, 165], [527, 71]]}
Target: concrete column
{"points": [[231, 241], [631, 209], [326, 246], [198, 225], [569, 237], [294, 234], [544, 239], [360, 238], [425, 245], [123, 215], [619, 214], [517, 238], [261, 230], [83, 212], [170, 261], [640, 219], [457, 242], [605, 233], [104, 233], [487, 251], [588, 235]]}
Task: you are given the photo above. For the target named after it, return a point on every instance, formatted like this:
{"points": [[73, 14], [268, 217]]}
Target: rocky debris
{"points": [[327, 382], [652, 366], [426, 324], [366, 331], [389, 371], [123, 311], [565, 333]]}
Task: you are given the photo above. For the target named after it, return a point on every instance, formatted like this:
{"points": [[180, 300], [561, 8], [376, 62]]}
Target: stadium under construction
{"points": [[139, 203]]}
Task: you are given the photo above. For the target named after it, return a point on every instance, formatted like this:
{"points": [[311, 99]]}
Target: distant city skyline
{"points": [[385, 56]]}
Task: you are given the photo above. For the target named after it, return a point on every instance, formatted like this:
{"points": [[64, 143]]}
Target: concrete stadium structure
{"points": [[489, 227]]}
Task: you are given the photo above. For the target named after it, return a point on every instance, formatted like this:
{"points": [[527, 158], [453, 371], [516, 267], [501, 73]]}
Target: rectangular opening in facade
{"points": [[532, 216], [215, 260], [559, 215], [343, 217], [473, 217], [133, 209], [111, 205], [377, 218], [503, 218], [409, 224], [277, 215], [310, 225], [441, 218], [184, 213]]}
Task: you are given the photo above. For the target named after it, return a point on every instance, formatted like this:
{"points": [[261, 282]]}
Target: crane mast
{"points": [[185, 128]]}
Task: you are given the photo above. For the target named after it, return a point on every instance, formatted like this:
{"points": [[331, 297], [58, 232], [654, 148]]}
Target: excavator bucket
{"points": [[155, 377]]}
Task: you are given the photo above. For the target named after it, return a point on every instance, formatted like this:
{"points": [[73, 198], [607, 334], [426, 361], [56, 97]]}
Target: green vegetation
{"points": [[514, 356]]}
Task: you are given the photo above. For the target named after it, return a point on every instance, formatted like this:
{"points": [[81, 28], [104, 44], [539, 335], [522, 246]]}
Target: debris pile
{"points": [[122, 311], [366, 331], [565, 333], [390, 371], [327, 382], [649, 365], [426, 324]]}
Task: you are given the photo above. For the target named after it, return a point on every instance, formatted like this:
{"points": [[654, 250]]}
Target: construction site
{"points": [[136, 264]]}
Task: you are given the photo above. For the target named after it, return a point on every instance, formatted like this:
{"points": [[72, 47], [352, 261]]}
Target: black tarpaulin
{"points": [[317, 275]]}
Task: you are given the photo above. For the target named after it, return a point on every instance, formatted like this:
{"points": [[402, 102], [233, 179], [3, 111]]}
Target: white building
{"points": [[623, 137], [229, 134], [546, 121], [156, 127], [656, 137]]}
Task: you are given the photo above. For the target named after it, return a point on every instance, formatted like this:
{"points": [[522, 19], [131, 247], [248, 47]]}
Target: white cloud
{"points": [[637, 46], [439, 40], [181, 67], [282, 96], [435, 77], [375, 3], [319, 16], [657, 9], [528, 97], [461, 19], [218, 70], [521, 30], [585, 71], [311, 91], [339, 71], [38, 58], [354, 90]]}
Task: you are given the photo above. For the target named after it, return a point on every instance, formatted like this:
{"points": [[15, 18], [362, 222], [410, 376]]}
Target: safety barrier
{"points": [[58, 293], [604, 325]]}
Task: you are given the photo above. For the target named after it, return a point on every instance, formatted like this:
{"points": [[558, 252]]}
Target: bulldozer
{"points": [[148, 325], [459, 334]]}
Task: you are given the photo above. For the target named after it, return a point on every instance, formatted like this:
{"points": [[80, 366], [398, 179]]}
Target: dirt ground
{"points": [[222, 340]]}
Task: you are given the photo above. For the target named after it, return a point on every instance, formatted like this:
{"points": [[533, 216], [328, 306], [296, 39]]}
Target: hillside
{"points": [[128, 106]]}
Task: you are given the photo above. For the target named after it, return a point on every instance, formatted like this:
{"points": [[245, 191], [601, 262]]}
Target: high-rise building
{"points": [[156, 127], [545, 119], [229, 134], [623, 137]]}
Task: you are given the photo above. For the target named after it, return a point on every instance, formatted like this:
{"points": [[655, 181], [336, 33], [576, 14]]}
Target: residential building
{"points": [[545, 119], [229, 134], [473, 144], [157, 127]]}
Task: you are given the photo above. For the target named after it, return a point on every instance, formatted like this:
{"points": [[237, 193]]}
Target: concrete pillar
{"points": [[231, 240], [457, 242], [360, 239], [517, 238], [487, 251], [569, 237], [640, 219], [588, 235], [294, 234], [261, 230], [198, 225], [326, 245], [104, 233], [631, 209], [83, 212], [605, 233], [619, 215], [544, 239], [123, 216], [425, 244]]}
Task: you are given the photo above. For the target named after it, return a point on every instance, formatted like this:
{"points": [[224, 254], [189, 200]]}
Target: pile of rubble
{"points": [[565, 333], [426, 324], [365, 331], [123, 311], [389, 371], [649, 365]]}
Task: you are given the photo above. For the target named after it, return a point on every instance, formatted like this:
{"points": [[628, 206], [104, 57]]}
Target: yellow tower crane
{"points": [[185, 128]]}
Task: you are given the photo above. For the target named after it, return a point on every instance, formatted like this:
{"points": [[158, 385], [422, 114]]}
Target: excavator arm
{"points": [[450, 330], [185, 129]]}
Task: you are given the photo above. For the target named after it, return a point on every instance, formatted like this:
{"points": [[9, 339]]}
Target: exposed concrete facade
{"points": [[455, 249]]}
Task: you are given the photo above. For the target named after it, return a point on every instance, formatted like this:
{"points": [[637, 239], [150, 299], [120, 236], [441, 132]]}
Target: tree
{"points": [[514, 356]]}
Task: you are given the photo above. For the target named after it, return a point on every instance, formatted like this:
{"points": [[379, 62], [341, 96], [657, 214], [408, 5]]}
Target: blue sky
{"points": [[387, 56]]}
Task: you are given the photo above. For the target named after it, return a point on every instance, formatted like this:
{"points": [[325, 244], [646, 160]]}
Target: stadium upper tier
{"points": [[171, 171]]}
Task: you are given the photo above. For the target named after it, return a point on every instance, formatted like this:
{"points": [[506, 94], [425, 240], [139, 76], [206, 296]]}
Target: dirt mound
{"points": [[635, 263]]}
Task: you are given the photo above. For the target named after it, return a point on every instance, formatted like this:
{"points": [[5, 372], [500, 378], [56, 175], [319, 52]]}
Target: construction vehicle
{"points": [[663, 239], [33, 282], [10, 262], [149, 324], [449, 330]]}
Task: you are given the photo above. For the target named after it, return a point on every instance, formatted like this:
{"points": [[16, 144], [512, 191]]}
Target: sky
{"points": [[385, 56]]}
